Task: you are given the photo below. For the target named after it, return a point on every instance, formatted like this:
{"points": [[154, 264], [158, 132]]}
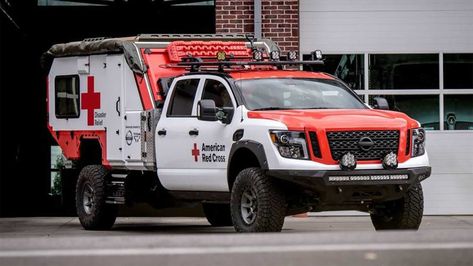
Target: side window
{"points": [[215, 90], [67, 96], [183, 97]]}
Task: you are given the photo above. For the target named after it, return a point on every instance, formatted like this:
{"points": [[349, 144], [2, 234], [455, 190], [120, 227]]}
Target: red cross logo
{"points": [[195, 152], [90, 100]]}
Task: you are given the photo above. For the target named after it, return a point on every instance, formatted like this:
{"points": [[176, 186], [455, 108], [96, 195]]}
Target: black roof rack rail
{"points": [[195, 65], [251, 63], [174, 37]]}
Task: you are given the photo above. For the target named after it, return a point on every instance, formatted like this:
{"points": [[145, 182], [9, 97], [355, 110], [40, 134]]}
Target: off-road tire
{"points": [[269, 201], [101, 216], [403, 214], [218, 214]]}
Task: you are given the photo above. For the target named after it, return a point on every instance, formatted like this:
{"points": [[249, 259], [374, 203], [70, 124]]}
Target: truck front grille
{"points": [[358, 143]]}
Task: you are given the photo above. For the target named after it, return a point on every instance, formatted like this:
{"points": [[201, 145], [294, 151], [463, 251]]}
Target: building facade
{"points": [[418, 55]]}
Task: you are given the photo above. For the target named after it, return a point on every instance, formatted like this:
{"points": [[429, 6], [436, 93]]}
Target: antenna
{"points": [[251, 39]]}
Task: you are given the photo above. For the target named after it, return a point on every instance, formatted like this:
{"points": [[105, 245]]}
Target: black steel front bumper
{"points": [[346, 187], [356, 177]]}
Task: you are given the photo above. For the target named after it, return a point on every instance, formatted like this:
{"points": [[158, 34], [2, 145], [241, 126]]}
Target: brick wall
{"points": [[280, 20]]}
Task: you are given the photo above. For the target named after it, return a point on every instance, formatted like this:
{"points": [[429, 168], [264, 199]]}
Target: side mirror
{"points": [[207, 110], [381, 103]]}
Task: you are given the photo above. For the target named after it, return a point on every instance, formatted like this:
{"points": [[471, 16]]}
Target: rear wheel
{"points": [[218, 214], [405, 213], [257, 203], [93, 212]]}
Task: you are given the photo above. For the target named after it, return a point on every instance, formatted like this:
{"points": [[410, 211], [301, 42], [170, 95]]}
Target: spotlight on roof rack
{"points": [[274, 55], [257, 55], [316, 55], [292, 55], [221, 56]]}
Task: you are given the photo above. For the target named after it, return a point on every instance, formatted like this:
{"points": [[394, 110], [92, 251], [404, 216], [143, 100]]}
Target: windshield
{"points": [[291, 93]]}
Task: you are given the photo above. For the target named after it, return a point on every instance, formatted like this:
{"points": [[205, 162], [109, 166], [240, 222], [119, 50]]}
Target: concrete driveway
{"points": [[442, 240]]}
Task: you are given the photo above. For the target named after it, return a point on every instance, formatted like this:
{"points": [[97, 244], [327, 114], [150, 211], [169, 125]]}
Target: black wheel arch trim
{"points": [[255, 147]]}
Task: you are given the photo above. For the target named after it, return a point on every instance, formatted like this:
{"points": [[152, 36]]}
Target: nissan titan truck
{"points": [[229, 122]]}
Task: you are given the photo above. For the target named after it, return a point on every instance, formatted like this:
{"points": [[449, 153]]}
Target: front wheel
{"points": [[93, 212], [405, 213], [257, 204]]}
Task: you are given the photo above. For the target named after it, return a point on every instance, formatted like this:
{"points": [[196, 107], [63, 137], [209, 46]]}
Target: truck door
{"points": [[192, 155], [173, 137], [214, 140]]}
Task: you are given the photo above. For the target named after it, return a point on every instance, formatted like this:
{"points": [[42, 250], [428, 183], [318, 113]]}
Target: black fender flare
{"points": [[255, 147]]}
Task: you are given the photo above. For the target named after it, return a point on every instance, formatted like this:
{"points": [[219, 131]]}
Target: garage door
{"points": [[428, 39]]}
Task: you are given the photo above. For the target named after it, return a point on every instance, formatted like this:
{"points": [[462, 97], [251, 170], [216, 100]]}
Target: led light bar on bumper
{"points": [[418, 142], [368, 178], [290, 144]]}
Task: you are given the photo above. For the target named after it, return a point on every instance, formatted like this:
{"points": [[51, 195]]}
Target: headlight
{"points": [[290, 144], [418, 142]]}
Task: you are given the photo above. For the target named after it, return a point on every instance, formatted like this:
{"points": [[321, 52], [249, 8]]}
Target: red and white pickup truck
{"points": [[219, 120]]}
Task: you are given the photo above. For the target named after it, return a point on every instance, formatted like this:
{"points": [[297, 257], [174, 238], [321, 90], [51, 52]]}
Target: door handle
{"points": [[117, 106], [194, 132], [162, 132]]}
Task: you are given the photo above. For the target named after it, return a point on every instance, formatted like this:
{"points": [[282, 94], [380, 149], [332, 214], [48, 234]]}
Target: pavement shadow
{"points": [[147, 228]]}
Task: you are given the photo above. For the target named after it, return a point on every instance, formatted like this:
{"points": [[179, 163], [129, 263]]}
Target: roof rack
{"points": [[271, 59], [194, 37], [221, 65]]}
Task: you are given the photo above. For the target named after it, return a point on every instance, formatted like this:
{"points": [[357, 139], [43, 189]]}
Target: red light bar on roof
{"points": [[181, 49]]}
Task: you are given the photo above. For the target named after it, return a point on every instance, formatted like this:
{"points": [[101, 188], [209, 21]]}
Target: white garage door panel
{"points": [[451, 152], [380, 5], [449, 189], [448, 194], [351, 26]]}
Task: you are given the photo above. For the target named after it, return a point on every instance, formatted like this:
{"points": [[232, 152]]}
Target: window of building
{"points": [[458, 112], [183, 97], [458, 71], [403, 71], [423, 108], [215, 90], [347, 67], [411, 84], [67, 96]]}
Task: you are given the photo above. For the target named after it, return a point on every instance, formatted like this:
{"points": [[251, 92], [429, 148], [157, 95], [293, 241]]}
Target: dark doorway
{"points": [[27, 29]]}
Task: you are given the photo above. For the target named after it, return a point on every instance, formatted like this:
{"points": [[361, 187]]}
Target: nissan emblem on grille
{"points": [[364, 145]]}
